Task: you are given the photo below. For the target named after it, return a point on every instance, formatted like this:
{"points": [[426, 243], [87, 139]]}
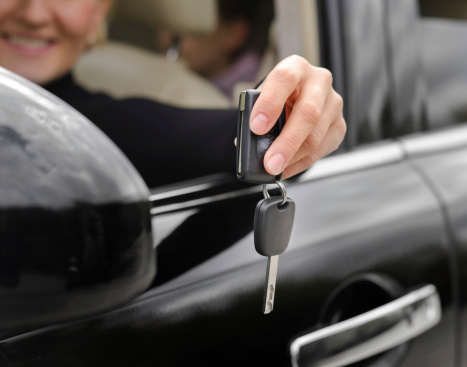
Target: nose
{"points": [[34, 13]]}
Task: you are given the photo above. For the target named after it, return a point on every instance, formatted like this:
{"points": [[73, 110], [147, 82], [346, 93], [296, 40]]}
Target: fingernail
{"points": [[275, 164], [259, 124]]}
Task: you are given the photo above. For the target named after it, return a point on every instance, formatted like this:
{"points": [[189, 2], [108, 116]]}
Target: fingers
{"points": [[315, 126], [326, 137], [306, 121], [331, 142], [280, 84], [313, 106]]}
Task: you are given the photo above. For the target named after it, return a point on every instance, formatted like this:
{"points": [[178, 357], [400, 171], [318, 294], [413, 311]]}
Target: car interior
{"points": [[129, 62]]}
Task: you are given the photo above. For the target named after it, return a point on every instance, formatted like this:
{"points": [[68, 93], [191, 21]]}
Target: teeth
{"points": [[28, 42]]}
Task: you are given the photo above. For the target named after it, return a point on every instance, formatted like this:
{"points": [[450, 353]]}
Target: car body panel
{"points": [[445, 169], [381, 220]]}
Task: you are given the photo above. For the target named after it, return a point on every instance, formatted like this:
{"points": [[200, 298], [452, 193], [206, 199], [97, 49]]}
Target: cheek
{"points": [[78, 21], [191, 45], [198, 51], [6, 8]]}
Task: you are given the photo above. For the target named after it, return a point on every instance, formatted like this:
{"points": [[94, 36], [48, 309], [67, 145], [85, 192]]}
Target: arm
{"points": [[169, 144]]}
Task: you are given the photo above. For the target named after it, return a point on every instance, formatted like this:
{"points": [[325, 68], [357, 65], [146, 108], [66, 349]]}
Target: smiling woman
{"points": [[42, 39]]}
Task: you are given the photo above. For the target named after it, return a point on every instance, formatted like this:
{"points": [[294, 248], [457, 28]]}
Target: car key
{"points": [[273, 216], [273, 222], [251, 148]]}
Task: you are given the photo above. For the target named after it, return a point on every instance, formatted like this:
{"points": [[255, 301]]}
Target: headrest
{"points": [[179, 16]]}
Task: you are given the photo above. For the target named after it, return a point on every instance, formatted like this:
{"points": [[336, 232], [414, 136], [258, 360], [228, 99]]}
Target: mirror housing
{"points": [[75, 226]]}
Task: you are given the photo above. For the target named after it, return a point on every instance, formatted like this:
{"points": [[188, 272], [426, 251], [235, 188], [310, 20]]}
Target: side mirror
{"points": [[75, 227]]}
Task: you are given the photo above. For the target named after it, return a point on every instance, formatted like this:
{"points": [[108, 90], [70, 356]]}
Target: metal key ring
{"points": [[284, 192]]}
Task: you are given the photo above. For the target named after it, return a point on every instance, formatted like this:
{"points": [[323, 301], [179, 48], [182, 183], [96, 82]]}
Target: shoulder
{"points": [[76, 96]]}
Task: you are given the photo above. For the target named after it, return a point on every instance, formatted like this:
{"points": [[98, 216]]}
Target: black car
{"points": [[374, 272]]}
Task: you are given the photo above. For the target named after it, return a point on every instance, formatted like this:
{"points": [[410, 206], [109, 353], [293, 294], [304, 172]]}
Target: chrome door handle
{"points": [[370, 333]]}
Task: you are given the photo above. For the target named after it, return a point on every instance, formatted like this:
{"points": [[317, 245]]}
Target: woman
{"points": [[42, 39]]}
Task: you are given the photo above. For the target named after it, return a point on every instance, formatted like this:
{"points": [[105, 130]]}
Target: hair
{"points": [[257, 13], [231, 9]]}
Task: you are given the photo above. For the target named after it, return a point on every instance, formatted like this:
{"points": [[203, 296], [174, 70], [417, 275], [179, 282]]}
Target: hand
{"points": [[315, 124]]}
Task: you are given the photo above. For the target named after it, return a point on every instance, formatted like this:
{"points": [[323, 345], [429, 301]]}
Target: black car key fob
{"points": [[251, 148]]}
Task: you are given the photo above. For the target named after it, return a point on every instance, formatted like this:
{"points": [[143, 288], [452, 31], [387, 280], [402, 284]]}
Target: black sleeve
{"points": [[168, 144]]}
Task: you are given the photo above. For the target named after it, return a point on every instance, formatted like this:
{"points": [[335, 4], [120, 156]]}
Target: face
{"points": [[42, 39], [209, 55], [204, 55]]}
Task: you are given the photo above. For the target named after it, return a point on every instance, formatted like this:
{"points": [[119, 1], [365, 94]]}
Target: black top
{"points": [[165, 143]]}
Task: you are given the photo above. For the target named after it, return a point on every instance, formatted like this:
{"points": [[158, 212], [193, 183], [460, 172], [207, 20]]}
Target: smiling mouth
{"points": [[31, 43]]}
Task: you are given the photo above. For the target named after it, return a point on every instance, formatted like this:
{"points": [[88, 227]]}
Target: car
{"points": [[373, 274]]}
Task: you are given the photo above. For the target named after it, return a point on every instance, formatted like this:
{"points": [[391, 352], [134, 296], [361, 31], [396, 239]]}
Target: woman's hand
{"points": [[315, 124]]}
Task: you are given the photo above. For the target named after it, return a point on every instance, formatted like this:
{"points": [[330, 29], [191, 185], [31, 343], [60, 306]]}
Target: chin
{"points": [[37, 75], [41, 79]]}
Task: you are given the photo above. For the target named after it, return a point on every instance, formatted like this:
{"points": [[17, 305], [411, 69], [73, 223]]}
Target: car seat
{"points": [[123, 70]]}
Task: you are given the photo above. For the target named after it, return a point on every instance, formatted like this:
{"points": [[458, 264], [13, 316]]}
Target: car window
{"points": [[444, 55]]}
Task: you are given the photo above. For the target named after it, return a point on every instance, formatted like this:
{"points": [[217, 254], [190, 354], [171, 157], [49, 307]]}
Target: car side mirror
{"points": [[75, 227]]}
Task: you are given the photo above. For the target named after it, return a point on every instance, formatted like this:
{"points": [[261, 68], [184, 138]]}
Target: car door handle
{"points": [[370, 333]]}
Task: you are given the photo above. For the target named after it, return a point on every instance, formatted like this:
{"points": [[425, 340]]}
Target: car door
{"points": [[365, 223], [369, 229], [441, 157]]}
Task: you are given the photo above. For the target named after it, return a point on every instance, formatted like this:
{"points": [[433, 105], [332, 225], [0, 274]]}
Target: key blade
{"points": [[270, 287]]}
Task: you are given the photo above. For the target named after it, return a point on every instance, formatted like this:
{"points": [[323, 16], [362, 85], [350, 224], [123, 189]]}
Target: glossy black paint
{"points": [[374, 221], [75, 232], [399, 218], [447, 173]]}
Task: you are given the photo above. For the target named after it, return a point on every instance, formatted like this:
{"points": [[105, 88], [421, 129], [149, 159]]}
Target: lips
{"points": [[27, 44]]}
